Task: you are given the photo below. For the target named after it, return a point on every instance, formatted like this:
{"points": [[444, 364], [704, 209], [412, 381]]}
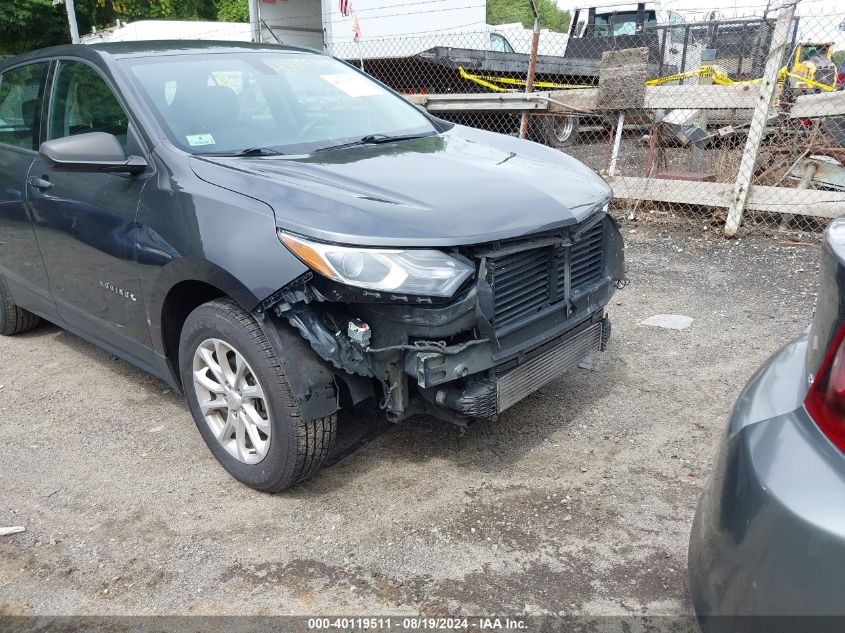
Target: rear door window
{"points": [[20, 104]]}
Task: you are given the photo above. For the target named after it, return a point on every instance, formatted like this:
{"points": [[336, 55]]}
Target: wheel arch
{"points": [[181, 287], [193, 283]]}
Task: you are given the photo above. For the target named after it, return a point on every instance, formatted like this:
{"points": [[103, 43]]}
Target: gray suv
{"points": [[278, 236]]}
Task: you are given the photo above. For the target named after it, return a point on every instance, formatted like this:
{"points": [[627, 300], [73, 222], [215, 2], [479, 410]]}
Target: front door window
{"points": [[82, 102]]}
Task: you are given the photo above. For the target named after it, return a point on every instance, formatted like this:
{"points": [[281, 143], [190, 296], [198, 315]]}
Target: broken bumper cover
{"points": [[534, 310], [489, 392]]}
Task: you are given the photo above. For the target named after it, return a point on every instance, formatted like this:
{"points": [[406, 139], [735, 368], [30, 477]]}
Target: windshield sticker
{"points": [[353, 84], [200, 139]]}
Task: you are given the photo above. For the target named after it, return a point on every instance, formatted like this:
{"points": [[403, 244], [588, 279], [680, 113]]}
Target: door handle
{"points": [[42, 184]]}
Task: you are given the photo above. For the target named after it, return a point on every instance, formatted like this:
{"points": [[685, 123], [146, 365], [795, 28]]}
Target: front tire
{"points": [[242, 402], [14, 319]]}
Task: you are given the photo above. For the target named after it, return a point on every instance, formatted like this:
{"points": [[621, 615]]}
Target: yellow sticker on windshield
{"points": [[353, 84]]}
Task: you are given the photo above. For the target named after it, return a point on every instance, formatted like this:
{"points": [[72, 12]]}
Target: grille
{"points": [[520, 284], [526, 282], [587, 258]]}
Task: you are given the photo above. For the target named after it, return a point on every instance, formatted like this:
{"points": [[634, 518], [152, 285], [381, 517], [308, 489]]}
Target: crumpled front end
{"points": [[533, 309]]}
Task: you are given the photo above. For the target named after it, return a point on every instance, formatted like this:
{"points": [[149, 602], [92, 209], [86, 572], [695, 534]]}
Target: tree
{"points": [[30, 24], [128, 10], [506, 11], [232, 11]]}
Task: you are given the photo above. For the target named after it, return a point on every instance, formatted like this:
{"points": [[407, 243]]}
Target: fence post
{"points": [[759, 119], [532, 68], [697, 160]]}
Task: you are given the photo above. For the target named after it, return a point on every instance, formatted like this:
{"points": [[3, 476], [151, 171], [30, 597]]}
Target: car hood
{"points": [[464, 186]]}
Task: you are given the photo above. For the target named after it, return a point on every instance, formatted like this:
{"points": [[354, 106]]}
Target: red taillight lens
{"points": [[826, 398]]}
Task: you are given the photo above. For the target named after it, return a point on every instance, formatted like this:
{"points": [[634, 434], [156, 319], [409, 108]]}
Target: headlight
{"points": [[415, 272]]}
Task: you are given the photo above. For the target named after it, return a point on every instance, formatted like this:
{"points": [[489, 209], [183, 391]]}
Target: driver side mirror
{"points": [[91, 152]]}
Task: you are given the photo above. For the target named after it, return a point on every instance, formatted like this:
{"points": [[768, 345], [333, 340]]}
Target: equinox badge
{"points": [[119, 291]]}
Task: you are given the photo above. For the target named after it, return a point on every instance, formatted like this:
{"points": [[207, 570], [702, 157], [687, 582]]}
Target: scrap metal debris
{"points": [[8, 531]]}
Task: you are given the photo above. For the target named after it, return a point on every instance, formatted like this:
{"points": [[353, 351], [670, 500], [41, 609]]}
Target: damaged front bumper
{"points": [[535, 310], [491, 388]]}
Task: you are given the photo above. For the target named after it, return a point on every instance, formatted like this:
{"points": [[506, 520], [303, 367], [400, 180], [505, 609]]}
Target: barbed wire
{"points": [[452, 30]]}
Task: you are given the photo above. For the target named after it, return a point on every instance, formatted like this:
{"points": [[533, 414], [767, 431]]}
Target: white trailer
{"points": [[171, 30], [326, 23]]}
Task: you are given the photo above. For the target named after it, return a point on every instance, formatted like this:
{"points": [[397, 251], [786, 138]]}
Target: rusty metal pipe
{"points": [[532, 68]]}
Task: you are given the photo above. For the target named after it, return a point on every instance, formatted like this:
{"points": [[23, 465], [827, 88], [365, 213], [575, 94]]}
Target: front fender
{"points": [[191, 230], [192, 269]]}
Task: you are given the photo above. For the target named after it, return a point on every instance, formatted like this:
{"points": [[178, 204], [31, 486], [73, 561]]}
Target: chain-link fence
{"points": [[721, 122]]}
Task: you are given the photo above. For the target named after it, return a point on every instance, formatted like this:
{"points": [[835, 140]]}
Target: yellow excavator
{"points": [[812, 68]]}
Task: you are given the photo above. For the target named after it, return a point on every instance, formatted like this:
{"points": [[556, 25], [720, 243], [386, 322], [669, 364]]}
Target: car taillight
{"points": [[825, 400]]}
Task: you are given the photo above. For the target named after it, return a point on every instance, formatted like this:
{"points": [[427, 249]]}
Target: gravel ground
{"points": [[577, 500]]}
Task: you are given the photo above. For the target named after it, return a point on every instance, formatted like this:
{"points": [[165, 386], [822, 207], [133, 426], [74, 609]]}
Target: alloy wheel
{"points": [[231, 401]]}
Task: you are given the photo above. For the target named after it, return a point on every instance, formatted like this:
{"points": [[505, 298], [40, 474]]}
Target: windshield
{"points": [[289, 102], [810, 51]]}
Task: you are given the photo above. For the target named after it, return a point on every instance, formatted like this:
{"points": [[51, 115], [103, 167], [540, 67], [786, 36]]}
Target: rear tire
{"points": [[249, 417], [14, 319]]}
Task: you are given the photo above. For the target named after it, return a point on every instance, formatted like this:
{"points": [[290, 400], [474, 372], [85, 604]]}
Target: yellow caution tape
{"points": [[718, 76], [491, 82], [480, 81], [784, 73], [708, 70], [537, 84], [676, 77]]}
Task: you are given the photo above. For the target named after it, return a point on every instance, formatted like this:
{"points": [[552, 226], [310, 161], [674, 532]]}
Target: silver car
{"points": [[769, 535]]}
